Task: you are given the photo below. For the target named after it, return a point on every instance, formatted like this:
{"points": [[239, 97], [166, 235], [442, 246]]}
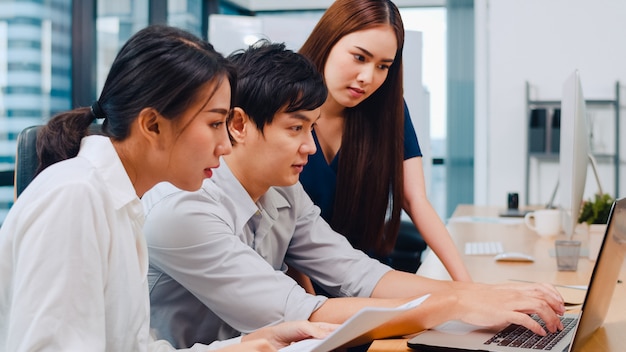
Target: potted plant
{"points": [[596, 210], [595, 213]]}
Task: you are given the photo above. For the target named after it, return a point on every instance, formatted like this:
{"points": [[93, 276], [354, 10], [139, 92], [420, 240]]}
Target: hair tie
{"points": [[96, 110]]}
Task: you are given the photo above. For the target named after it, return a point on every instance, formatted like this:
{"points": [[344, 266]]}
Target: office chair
{"points": [[407, 253], [26, 160]]}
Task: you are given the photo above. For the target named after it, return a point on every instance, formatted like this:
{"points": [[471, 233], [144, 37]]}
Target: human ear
{"points": [[238, 124], [149, 123]]}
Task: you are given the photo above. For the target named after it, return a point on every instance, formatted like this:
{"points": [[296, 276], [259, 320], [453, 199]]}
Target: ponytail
{"points": [[60, 138]]}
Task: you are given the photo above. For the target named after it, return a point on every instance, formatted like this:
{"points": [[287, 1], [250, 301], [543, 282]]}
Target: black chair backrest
{"points": [[26, 160]]}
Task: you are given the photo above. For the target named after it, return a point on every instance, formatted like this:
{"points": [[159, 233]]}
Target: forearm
{"points": [[438, 239], [338, 310], [397, 284], [427, 221], [477, 304], [434, 311], [415, 320]]}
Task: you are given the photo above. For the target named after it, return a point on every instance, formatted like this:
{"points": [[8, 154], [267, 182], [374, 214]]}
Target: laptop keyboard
{"points": [[519, 336]]}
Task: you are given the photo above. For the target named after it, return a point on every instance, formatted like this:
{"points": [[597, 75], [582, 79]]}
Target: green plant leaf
{"points": [[596, 210]]}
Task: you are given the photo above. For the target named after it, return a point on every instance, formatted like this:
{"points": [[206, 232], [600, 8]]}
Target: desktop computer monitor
{"points": [[574, 152]]}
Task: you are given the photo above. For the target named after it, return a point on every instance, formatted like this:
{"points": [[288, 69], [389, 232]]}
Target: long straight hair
{"points": [[369, 181]]}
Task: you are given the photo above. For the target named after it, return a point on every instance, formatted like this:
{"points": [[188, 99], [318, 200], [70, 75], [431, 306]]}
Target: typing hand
{"points": [[500, 305], [544, 290]]}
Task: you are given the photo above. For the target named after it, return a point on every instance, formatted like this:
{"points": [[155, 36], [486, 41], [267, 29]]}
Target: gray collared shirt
{"points": [[217, 259]]}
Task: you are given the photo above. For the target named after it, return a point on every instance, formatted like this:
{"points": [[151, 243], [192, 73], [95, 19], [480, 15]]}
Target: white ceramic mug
{"points": [[545, 222]]}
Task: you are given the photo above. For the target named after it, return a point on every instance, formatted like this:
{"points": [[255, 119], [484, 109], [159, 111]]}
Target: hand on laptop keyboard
{"points": [[501, 305], [519, 336]]}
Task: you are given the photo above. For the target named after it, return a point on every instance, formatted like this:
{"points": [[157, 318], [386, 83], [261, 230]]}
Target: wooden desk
{"points": [[465, 227]]}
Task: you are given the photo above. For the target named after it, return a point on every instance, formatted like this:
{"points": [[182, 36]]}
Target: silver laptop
{"points": [[457, 336]]}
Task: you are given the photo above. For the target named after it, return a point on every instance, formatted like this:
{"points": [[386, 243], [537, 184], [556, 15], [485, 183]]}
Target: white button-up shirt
{"points": [[73, 260]]}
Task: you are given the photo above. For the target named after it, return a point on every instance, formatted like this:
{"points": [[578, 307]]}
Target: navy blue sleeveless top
{"points": [[319, 179]]}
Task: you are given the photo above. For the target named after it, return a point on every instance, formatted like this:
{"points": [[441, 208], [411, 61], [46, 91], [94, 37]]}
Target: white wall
{"points": [[542, 42], [417, 97]]}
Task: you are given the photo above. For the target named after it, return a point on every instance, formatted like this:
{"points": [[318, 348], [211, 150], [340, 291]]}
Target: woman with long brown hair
{"points": [[368, 165]]}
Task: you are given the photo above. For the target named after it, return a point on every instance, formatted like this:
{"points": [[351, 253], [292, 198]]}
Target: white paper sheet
{"points": [[363, 321]]}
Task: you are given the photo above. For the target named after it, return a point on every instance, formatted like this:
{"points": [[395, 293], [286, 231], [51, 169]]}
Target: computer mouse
{"points": [[513, 257]]}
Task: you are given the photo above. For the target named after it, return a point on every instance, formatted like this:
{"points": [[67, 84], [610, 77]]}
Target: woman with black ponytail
{"points": [[74, 259]]}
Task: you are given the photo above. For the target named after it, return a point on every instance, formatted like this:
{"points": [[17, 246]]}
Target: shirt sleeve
{"points": [[326, 256], [191, 237], [411, 145], [60, 263]]}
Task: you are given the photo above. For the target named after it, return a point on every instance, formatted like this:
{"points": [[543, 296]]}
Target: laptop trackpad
{"points": [[456, 327]]}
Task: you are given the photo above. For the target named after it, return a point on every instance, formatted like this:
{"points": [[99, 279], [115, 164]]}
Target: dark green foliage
{"points": [[596, 211]]}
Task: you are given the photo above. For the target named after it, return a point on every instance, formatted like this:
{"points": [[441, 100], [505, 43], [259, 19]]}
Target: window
{"points": [[431, 21], [35, 74]]}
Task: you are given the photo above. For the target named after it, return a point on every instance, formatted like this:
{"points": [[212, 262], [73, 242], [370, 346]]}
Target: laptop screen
{"points": [[605, 274]]}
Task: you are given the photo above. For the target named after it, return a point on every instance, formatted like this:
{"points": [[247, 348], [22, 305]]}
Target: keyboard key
{"points": [[519, 336]]}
